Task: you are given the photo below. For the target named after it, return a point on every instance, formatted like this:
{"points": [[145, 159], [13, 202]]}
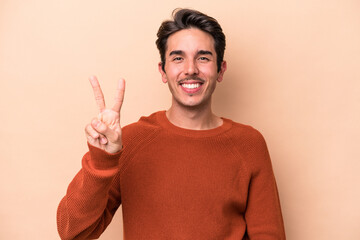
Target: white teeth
{"points": [[191, 85]]}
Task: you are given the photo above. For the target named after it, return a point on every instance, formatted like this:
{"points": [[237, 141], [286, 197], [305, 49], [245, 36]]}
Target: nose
{"points": [[191, 68]]}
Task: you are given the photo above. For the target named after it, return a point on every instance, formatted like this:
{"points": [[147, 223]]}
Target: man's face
{"points": [[191, 67]]}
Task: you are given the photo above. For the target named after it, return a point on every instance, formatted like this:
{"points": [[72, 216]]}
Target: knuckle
{"points": [[87, 128], [102, 127]]}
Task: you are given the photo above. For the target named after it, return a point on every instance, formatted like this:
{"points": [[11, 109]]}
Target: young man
{"points": [[184, 173]]}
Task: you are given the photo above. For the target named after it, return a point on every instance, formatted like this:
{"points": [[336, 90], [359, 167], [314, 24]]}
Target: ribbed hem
{"points": [[167, 125]]}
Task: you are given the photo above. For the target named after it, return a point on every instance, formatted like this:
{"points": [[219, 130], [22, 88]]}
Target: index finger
{"points": [[119, 97], [99, 96]]}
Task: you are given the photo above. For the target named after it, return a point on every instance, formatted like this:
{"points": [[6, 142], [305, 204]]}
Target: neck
{"points": [[194, 118]]}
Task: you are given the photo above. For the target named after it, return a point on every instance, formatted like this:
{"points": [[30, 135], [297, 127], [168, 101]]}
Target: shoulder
{"points": [[245, 133], [145, 126], [251, 143], [137, 135]]}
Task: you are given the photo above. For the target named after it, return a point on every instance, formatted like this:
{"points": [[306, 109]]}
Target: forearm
{"points": [[92, 197], [263, 213]]}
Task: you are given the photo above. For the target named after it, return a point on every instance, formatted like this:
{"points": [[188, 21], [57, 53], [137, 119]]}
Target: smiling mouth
{"points": [[191, 85]]}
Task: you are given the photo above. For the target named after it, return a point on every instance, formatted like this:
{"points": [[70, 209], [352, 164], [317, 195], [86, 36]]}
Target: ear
{"points": [[163, 74], [222, 71]]}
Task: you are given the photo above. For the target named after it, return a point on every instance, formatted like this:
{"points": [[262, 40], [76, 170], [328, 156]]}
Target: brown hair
{"points": [[185, 19]]}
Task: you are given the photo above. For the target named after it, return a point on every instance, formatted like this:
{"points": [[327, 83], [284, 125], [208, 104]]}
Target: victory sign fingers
{"points": [[105, 131]]}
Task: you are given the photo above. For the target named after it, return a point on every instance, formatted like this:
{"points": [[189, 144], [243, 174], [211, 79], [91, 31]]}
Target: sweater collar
{"points": [[167, 125]]}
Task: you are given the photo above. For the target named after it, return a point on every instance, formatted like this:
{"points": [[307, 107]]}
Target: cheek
{"points": [[209, 74], [210, 69], [173, 71]]}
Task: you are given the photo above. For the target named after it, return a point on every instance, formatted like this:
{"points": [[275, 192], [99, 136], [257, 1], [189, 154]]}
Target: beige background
{"points": [[293, 73]]}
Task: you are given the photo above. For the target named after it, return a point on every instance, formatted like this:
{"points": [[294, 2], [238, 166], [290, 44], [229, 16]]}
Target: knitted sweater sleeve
{"points": [[263, 213], [92, 197]]}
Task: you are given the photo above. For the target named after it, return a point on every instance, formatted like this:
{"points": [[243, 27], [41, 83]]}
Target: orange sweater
{"points": [[176, 183]]}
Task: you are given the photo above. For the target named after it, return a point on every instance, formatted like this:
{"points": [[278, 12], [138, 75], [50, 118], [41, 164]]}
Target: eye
{"points": [[177, 59], [204, 59]]}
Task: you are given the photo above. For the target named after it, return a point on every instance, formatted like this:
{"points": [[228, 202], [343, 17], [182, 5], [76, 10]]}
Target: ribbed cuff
{"points": [[102, 160]]}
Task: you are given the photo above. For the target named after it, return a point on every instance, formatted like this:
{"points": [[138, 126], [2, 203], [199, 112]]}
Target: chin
{"points": [[191, 101], [192, 104]]}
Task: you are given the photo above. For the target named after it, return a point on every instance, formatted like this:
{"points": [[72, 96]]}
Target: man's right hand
{"points": [[104, 132]]}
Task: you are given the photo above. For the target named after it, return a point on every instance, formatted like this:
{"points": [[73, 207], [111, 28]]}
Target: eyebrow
{"points": [[204, 52], [176, 52], [200, 52]]}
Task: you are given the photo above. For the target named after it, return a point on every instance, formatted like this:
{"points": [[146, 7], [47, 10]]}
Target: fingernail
{"points": [[103, 140]]}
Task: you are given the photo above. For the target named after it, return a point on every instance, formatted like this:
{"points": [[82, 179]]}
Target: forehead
{"points": [[190, 40]]}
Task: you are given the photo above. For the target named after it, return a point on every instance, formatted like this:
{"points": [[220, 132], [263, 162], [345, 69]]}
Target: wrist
{"points": [[103, 159]]}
